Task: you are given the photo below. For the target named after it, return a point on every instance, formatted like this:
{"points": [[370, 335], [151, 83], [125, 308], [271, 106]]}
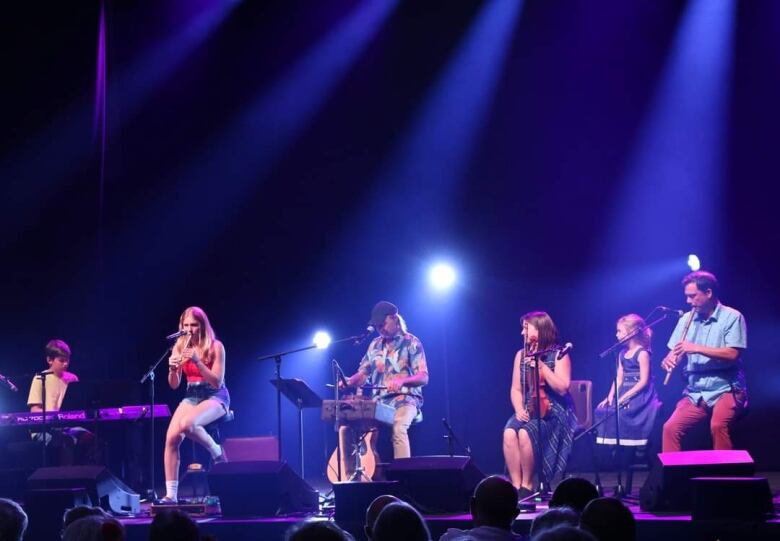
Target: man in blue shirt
{"points": [[711, 354]]}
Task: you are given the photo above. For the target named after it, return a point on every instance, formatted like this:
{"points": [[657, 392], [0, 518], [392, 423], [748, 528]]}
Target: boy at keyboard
{"points": [[74, 445]]}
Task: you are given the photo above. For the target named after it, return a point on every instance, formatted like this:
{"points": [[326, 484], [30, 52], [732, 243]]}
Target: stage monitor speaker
{"points": [[353, 499], [436, 484], [102, 487], [669, 486], [260, 488], [731, 498]]}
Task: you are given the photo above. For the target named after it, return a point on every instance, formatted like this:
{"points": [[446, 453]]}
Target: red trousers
{"points": [[724, 413]]}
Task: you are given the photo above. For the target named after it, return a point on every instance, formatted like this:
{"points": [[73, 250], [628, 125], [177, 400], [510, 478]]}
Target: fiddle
{"points": [[532, 383]]}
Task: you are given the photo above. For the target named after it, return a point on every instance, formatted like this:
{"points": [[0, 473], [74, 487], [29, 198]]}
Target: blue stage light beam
{"points": [[246, 151], [673, 181], [430, 159]]}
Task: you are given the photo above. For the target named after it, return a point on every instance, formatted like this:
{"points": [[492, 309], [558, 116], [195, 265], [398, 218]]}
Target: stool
{"points": [[194, 483], [213, 430]]}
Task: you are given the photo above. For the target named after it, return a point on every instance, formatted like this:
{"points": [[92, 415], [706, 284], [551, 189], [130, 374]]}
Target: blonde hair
{"points": [[206, 335], [635, 323]]}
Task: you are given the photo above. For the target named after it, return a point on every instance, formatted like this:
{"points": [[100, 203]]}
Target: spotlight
{"points": [[693, 262], [442, 276], [321, 339]]}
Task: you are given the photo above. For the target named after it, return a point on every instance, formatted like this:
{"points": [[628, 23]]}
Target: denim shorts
{"points": [[198, 391]]}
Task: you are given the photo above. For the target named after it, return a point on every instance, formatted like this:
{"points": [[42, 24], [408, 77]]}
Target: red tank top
{"points": [[191, 370]]}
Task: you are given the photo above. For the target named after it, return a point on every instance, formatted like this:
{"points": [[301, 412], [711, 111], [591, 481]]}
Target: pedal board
{"points": [[197, 507]]}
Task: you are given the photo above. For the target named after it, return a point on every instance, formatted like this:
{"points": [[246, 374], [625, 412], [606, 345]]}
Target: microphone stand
{"points": [[452, 440], [337, 423], [149, 375], [616, 348], [43, 426], [8, 383], [277, 357]]}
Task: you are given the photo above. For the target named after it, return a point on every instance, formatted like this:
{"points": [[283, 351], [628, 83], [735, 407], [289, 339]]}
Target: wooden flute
{"points": [[684, 334]]}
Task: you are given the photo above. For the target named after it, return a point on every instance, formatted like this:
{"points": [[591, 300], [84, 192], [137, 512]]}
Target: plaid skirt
{"points": [[558, 428]]}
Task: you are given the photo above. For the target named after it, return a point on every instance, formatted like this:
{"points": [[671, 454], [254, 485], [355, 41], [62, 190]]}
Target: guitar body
{"points": [[366, 456]]}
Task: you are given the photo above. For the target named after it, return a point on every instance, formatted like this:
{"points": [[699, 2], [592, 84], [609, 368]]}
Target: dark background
{"points": [[218, 167]]}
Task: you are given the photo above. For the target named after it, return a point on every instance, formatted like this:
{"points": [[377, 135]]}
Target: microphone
{"points": [[369, 330], [9, 383], [565, 350], [671, 311], [176, 335], [340, 373]]}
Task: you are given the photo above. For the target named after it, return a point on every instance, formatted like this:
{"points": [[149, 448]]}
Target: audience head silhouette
{"points": [[574, 492], [374, 508], [317, 530], [608, 520], [564, 533], [494, 503], [400, 520], [555, 516], [13, 521], [173, 525], [94, 528]]}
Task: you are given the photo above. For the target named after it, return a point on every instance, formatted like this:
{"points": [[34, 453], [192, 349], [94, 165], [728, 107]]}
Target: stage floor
{"points": [[650, 526]]}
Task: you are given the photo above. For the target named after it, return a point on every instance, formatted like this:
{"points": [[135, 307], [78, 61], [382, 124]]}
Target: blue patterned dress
{"points": [[638, 418], [557, 426]]}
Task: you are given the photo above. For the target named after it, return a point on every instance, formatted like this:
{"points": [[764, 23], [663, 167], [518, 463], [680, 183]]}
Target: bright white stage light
{"points": [[693, 262], [442, 276], [321, 339]]}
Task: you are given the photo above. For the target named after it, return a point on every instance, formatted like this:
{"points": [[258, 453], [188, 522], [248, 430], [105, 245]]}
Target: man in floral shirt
{"points": [[395, 360]]}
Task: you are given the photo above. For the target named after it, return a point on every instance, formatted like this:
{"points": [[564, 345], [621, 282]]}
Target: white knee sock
{"points": [[172, 490], [215, 449]]}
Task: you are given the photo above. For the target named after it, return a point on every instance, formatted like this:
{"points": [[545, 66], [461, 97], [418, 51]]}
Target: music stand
{"points": [[302, 396]]}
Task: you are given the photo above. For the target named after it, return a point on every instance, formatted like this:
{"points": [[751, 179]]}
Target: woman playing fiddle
{"points": [[550, 391]]}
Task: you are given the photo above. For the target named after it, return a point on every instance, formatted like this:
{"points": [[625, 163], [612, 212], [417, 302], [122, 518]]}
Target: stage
{"points": [[650, 526]]}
